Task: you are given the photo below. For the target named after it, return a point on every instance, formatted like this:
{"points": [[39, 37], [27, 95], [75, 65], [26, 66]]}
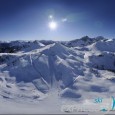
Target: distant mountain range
{"points": [[78, 69]]}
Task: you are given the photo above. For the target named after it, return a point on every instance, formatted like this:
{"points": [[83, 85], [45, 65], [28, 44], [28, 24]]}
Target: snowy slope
{"points": [[77, 70]]}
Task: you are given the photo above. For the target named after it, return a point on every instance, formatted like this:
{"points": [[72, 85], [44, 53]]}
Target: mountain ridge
{"points": [[72, 69]]}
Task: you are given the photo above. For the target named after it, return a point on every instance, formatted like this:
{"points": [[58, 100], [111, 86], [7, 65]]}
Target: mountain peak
{"points": [[56, 48]]}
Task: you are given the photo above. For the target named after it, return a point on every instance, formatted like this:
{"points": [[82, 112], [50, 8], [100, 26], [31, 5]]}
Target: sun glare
{"points": [[52, 25]]}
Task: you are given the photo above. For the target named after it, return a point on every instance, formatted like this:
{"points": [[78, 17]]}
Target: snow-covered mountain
{"points": [[80, 69]]}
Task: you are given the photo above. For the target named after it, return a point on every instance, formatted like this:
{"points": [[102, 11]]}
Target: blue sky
{"points": [[28, 19]]}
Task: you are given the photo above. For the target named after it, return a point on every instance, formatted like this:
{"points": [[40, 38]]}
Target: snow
{"points": [[42, 76]]}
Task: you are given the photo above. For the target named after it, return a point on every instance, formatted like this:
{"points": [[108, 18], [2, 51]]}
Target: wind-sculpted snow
{"points": [[70, 93], [78, 69]]}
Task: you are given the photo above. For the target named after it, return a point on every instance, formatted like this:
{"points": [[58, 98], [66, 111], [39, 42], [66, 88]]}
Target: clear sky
{"points": [[29, 19]]}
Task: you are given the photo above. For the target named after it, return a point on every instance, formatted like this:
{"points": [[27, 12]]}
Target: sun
{"points": [[52, 25]]}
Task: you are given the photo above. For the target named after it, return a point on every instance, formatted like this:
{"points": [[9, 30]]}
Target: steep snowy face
{"points": [[52, 60], [105, 45], [77, 68], [103, 61]]}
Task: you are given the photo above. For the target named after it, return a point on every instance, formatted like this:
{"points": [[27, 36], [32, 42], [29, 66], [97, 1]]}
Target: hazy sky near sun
{"points": [[29, 19]]}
